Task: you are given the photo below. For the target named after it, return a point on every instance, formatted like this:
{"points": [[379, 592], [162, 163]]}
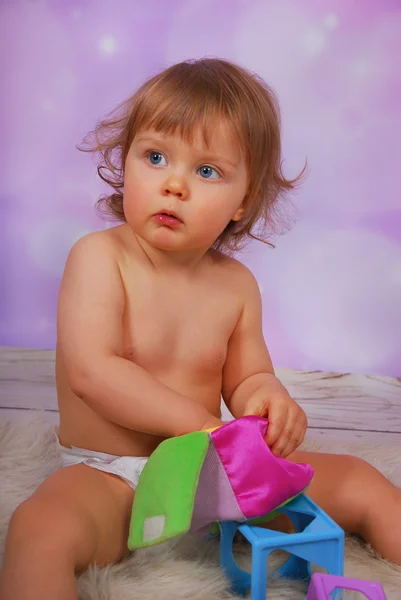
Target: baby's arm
{"points": [[90, 342], [249, 384], [248, 366]]}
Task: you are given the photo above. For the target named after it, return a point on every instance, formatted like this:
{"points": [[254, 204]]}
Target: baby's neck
{"points": [[181, 264]]}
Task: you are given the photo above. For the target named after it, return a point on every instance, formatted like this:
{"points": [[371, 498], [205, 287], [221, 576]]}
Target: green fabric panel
{"points": [[166, 490]]}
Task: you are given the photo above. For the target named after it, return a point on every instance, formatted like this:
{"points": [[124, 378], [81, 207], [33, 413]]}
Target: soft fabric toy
{"points": [[195, 480]]}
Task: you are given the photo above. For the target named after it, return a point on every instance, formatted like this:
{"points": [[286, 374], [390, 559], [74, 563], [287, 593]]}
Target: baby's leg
{"points": [[78, 516], [358, 497]]}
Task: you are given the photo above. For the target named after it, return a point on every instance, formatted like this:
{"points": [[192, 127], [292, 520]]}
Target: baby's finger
{"points": [[296, 438], [282, 442], [286, 441], [291, 445], [301, 431], [277, 418]]}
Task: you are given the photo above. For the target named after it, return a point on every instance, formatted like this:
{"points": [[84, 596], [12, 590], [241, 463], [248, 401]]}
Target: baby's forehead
{"points": [[215, 137]]}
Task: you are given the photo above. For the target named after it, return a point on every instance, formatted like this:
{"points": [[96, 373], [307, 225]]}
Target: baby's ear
{"points": [[239, 214]]}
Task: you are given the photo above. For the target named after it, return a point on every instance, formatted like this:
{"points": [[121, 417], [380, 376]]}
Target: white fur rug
{"points": [[188, 568]]}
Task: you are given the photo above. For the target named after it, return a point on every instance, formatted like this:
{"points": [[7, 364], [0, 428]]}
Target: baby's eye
{"points": [[157, 158], [208, 172]]}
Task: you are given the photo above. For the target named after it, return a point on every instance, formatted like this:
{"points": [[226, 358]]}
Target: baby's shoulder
{"points": [[233, 272], [98, 251], [108, 241]]}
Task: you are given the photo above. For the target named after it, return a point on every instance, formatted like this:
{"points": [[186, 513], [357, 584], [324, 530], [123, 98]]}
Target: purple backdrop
{"points": [[332, 288]]}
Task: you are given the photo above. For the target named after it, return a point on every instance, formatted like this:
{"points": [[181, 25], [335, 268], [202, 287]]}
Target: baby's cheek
{"points": [[136, 196]]}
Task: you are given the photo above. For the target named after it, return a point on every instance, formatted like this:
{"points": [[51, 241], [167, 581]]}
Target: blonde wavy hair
{"points": [[179, 99]]}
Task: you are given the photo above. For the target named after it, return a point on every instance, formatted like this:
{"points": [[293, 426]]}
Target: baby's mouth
{"points": [[167, 219]]}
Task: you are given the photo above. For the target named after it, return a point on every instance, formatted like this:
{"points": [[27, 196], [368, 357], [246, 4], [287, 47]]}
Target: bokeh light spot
{"points": [[331, 21], [313, 41], [108, 45]]}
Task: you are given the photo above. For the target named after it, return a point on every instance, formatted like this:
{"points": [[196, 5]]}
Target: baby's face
{"points": [[204, 186]]}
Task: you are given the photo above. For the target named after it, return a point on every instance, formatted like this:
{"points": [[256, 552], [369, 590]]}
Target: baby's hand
{"points": [[287, 420]]}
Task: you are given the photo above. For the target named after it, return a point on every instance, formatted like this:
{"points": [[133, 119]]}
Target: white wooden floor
{"points": [[338, 405]]}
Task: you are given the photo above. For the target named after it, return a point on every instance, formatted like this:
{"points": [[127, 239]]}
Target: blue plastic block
{"points": [[317, 540]]}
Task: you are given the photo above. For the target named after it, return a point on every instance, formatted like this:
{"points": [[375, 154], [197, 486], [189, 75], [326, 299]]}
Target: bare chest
{"points": [[179, 328]]}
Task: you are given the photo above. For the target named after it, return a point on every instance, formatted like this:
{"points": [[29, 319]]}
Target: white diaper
{"points": [[128, 468]]}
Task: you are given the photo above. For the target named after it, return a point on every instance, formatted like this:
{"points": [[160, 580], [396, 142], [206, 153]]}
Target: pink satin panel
{"points": [[260, 480]]}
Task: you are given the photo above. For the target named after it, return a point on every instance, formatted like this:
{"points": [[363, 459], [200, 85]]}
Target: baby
{"points": [[157, 321]]}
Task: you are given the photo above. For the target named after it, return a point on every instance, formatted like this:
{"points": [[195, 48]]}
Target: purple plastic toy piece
{"points": [[321, 586]]}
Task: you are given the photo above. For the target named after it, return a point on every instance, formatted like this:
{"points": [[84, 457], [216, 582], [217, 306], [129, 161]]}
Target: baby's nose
{"points": [[177, 187]]}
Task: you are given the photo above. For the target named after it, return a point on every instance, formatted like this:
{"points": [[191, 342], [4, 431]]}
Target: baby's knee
{"points": [[364, 491], [44, 528]]}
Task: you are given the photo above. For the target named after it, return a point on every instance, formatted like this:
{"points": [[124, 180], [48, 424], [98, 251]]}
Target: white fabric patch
{"points": [[153, 527]]}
